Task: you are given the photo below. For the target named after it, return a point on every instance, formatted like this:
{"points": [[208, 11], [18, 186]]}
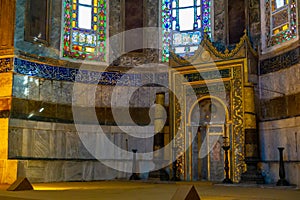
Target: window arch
{"points": [[84, 30], [184, 23]]}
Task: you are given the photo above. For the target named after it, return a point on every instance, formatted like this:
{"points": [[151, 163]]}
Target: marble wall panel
{"points": [[46, 90], [84, 94], [54, 172], [73, 171], [15, 141], [33, 170], [280, 133], [33, 88], [121, 141], [20, 86], [120, 96], [84, 148], [276, 84], [57, 142], [41, 146], [27, 138], [102, 172], [134, 99], [144, 97], [106, 95], [88, 171], [270, 172], [57, 89], [66, 93], [98, 96], [72, 144]]}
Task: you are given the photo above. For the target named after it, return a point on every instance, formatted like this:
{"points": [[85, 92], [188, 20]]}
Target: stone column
{"points": [[8, 168], [251, 138], [159, 123]]}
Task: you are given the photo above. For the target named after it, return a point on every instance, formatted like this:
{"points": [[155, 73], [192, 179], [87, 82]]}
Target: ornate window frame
{"points": [[285, 32], [171, 29], [85, 45]]}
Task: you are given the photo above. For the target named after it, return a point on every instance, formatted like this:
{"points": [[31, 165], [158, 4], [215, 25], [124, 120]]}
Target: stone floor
{"points": [[136, 190]]}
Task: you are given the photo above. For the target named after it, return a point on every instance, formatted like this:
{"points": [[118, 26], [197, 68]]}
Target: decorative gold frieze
{"points": [[6, 84], [6, 65], [238, 139]]}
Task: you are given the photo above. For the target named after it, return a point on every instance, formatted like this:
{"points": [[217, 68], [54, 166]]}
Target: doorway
{"points": [[207, 155]]}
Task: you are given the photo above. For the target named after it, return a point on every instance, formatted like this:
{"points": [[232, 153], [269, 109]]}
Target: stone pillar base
{"points": [[8, 171]]}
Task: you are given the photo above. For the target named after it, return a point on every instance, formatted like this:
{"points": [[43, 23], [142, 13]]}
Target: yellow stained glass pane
{"points": [[95, 2], [74, 7], [73, 23], [285, 27], [74, 1], [95, 27], [89, 49], [74, 15], [95, 19], [276, 31], [95, 10]]}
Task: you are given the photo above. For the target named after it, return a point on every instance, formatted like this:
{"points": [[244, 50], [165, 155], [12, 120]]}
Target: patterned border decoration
{"points": [[282, 61], [238, 139], [84, 76], [224, 73], [6, 65], [204, 90]]}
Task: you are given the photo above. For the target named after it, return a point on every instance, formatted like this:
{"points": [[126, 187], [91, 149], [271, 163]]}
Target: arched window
{"points": [[84, 30], [184, 24], [280, 22]]}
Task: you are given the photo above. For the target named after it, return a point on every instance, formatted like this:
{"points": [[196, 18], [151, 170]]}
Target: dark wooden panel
{"points": [[7, 22]]}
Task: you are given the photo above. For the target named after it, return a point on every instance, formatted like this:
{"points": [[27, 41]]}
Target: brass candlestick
{"points": [[226, 148]]}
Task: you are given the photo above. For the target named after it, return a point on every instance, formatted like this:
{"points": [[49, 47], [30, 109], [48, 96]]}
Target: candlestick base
{"points": [[227, 181], [282, 182]]}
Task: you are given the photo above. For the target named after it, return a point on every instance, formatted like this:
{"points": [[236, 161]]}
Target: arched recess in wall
{"points": [[236, 20], [133, 18]]}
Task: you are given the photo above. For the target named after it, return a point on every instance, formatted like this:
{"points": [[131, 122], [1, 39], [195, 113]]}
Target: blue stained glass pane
{"points": [[75, 37], [81, 38]]}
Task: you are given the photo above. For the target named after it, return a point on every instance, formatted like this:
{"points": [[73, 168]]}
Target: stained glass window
{"points": [[184, 23], [281, 21], [84, 32]]}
